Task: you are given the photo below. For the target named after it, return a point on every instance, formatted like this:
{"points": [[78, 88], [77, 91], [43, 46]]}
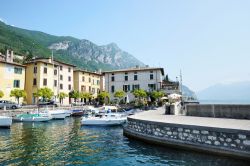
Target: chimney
{"points": [[50, 60], [9, 56]]}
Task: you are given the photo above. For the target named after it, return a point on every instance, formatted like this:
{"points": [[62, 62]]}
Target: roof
{"points": [[12, 63], [45, 60], [85, 71], [136, 69]]}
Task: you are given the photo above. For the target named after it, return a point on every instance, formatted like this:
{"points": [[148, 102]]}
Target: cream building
{"points": [[43, 72], [86, 81], [147, 78], [12, 75]]}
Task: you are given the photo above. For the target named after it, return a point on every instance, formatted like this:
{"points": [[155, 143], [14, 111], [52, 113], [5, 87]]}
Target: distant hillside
{"points": [[82, 53], [233, 92], [188, 92]]}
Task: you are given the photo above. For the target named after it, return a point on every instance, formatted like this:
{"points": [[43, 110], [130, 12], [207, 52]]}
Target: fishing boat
{"points": [[109, 119], [5, 121], [32, 117]]}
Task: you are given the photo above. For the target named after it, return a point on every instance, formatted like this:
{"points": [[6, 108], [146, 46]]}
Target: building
{"points": [[12, 75], [44, 72], [170, 87], [86, 81], [146, 78]]}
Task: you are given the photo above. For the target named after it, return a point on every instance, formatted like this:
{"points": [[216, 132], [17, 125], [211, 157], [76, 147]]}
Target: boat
{"points": [[5, 121], [109, 119], [77, 112], [32, 117], [59, 114]]}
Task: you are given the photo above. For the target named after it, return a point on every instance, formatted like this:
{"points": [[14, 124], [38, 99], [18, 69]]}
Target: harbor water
{"points": [[66, 142]]}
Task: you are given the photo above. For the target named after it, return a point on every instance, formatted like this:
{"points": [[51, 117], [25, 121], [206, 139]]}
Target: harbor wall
{"points": [[227, 142], [219, 110]]}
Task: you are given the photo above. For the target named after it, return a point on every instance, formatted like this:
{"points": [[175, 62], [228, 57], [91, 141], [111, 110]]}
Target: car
{"points": [[47, 103], [9, 104]]}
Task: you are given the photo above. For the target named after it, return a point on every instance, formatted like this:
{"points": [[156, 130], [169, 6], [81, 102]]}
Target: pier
{"points": [[227, 137]]}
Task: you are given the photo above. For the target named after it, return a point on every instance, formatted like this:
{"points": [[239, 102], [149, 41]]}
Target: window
{"points": [[113, 77], [61, 86], [93, 90], [55, 83], [34, 82], [89, 88], [83, 88], [35, 69], [98, 90], [16, 84], [55, 72], [18, 70], [93, 82], [45, 70], [69, 69], [97, 82], [126, 88], [61, 77], [135, 76], [151, 75], [152, 86], [134, 87], [112, 89], [89, 80], [45, 64], [69, 78], [45, 82], [126, 77], [69, 87], [83, 78], [61, 68]]}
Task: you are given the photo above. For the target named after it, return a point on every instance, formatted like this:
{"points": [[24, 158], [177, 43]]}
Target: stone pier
{"points": [[228, 137]]}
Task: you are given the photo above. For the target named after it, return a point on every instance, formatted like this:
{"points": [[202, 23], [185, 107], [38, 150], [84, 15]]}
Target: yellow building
{"points": [[43, 72], [12, 76], [86, 81]]}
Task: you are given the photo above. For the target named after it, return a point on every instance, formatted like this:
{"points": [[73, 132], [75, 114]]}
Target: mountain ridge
{"points": [[81, 52]]}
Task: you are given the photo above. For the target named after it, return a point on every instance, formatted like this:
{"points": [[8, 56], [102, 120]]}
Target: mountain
{"points": [[188, 92], [237, 91], [83, 53]]}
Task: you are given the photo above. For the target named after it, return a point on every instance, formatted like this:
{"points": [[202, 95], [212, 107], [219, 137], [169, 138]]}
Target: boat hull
{"points": [[102, 122], [31, 119], [5, 121]]}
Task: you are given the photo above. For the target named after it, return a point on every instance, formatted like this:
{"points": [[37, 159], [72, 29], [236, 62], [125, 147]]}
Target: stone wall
{"points": [[218, 140], [219, 110]]}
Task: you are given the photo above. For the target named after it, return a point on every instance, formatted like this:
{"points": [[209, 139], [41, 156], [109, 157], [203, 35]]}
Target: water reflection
{"points": [[66, 143]]}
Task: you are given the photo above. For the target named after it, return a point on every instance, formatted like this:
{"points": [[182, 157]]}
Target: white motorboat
{"points": [[109, 119], [5, 121], [59, 114], [30, 117]]}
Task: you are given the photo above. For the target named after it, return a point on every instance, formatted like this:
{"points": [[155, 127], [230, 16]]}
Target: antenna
{"points": [[180, 82]]}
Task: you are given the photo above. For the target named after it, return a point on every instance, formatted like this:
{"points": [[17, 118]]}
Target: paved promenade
{"points": [[158, 116]]}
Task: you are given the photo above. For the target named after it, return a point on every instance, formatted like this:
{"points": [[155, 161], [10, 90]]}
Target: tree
{"points": [[62, 96], [103, 97], [18, 93], [45, 93], [1, 94], [119, 94], [140, 94], [85, 95], [155, 95], [74, 94]]}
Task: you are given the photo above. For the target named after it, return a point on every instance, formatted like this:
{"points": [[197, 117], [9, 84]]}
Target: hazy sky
{"points": [[208, 40]]}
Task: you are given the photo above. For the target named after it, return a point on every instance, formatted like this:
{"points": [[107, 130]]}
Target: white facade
{"points": [[147, 78]]}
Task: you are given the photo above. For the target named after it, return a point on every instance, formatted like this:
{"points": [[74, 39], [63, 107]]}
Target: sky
{"points": [[208, 40]]}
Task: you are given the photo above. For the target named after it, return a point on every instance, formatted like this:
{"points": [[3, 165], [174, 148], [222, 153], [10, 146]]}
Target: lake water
{"points": [[66, 142]]}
